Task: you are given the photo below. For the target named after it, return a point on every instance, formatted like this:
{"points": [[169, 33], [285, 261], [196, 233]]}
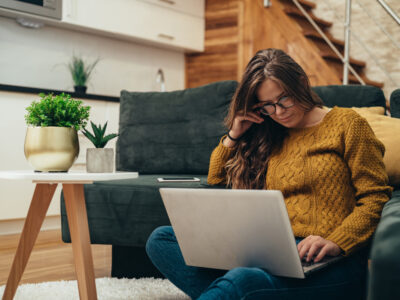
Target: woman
{"points": [[329, 167]]}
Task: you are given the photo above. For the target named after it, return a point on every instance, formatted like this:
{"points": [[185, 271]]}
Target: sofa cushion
{"points": [[351, 95], [395, 103], [172, 132], [387, 131], [125, 212], [377, 110]]}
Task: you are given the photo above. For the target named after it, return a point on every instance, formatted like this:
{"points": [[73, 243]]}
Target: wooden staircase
{"points": [[237, 29], [325, 51]]}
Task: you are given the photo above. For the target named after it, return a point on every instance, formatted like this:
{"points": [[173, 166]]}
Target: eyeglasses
{"points": [[270, 108]]}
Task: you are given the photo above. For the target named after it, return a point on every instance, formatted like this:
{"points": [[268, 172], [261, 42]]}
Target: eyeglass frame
{"points": [[263, 111]]}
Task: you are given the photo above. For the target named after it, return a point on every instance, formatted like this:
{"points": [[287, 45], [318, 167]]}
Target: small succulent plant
{"points": [[97, 138]]}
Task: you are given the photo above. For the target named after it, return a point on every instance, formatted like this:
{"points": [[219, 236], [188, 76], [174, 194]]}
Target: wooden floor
{"points": [[51, 259]]}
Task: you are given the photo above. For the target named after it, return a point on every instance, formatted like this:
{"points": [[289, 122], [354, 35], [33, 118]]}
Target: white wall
{"points": [[38, 58], [35, 58]]}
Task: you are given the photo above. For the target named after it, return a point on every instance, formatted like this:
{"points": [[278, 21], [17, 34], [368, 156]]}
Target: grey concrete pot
{"points": [[100, 160]]}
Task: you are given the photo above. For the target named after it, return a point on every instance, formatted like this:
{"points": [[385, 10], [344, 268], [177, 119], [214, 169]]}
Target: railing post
{"points": [[346, 61]]}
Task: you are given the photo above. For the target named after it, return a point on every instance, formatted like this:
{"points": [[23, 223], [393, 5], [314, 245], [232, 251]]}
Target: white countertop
{"points": [[71, 176]]}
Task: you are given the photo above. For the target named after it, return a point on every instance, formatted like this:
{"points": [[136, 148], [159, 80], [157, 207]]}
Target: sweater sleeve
{"points": [[363, 153], [216, 172]]}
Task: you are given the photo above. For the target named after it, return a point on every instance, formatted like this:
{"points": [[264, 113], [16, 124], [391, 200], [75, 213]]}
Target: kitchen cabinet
{"points": [[191, 7], [177, 24]]}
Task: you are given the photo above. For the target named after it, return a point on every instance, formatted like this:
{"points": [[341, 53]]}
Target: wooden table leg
{"points": [[79, 229], [37, 212]]}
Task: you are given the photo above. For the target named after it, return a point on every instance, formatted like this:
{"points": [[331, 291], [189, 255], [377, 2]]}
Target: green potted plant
{"points": [[51, 142], [80, 72], [99, 159]]}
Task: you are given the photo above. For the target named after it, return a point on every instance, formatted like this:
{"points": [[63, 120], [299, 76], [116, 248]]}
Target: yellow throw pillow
{"points": [[378, 110], [387, 130]]}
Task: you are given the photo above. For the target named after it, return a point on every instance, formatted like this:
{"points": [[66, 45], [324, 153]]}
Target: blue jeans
{"points": [[345, 279]]}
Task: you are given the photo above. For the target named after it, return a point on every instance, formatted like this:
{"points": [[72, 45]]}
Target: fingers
{"points": [[310, 246], [303, 247], [314, 249], [255, 114], [257, 105], [252, 110], [317, 245], [250, 116], [322, 253], [242, 122], [256, 117]]}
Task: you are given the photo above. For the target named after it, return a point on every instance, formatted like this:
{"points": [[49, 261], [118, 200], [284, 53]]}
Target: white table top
{"points": [[71, 176]]}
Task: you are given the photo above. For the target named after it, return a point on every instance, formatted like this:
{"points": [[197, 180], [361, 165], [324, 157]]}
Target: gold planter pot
{"points": [[51, 149]]}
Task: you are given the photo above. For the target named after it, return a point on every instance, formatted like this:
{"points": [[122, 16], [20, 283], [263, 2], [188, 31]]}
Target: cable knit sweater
{"points": [[331, 175]]}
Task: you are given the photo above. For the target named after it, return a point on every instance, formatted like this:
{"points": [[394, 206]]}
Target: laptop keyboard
{"points": [[305, 263]]}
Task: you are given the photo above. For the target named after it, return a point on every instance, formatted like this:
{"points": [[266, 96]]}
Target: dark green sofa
{"points": [[174, 133], [384, 275]]}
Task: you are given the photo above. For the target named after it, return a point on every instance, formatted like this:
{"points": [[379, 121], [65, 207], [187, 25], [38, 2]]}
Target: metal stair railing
{"points": [[372, 55], [394, 42], [345, 59], [389, 10], [347, 29], [378, 25]]}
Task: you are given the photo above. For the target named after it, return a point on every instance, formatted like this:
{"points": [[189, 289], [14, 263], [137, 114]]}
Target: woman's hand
{"points": [[314, 244], [242, 123]]}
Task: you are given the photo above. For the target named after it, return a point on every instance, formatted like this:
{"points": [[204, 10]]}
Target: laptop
{"points": [[225, 229]]}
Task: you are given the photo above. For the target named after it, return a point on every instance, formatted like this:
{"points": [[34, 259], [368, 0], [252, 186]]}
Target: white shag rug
{"points": [[107, 289]]}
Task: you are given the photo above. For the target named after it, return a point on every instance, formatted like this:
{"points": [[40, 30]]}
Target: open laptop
{"points": [[224, 229]]}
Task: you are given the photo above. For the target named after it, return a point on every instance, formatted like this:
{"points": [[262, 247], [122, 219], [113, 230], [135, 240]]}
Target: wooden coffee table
{"points": [[46, 184]]}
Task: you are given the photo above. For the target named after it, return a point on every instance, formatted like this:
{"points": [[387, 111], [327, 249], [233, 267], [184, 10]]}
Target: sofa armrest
{"points": [[395, 103], [384, 277]]}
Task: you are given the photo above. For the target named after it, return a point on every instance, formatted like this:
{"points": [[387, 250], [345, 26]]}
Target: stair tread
{"points": [[294, 11], [297, 12], [305, 3], [308, 4], [353, 61], [367, 81], [310, 33]]}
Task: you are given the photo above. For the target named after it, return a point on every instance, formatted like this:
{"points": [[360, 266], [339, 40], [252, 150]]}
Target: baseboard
{"points": [[14, 226]]}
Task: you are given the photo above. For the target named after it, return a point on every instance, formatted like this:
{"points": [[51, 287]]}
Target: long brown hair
{"points": [[247, 168]]}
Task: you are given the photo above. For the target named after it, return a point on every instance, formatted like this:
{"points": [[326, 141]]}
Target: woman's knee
{"points": [[237, 283], [247, 279], [157, 237]]}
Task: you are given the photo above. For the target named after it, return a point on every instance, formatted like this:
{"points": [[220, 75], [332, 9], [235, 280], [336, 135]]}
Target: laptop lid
{"points": [[224, 229]]}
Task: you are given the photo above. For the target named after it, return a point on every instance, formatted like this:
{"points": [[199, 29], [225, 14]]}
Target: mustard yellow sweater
{"points": [[331, 175]]}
